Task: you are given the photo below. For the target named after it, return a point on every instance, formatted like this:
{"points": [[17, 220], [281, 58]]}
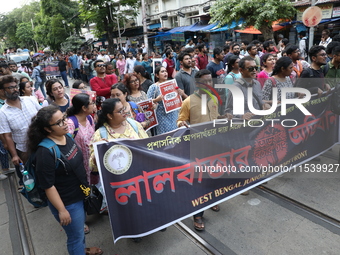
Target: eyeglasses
{"points": [[60, 123], [322, 55], [12, 87], [134, 81], [101, 65], [121, 111], [251, 68]]}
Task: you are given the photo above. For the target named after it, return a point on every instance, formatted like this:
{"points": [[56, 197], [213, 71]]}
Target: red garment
{"points": [[103, 86], [170, 66], [202, 61]]}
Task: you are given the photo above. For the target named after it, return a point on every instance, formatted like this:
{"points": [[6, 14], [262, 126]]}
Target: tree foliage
{"points": [[259, 13], [104, 14], [72, 43], [25, 34]]}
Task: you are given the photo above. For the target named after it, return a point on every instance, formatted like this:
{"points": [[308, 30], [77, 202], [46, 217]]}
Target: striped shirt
{"points": [[16, 121]]}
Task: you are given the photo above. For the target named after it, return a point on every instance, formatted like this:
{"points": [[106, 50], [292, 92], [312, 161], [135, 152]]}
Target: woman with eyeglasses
{"points": [[135, 92], [56, 95], [166, 121], [113, 117], [61, 184], [132, 110]]}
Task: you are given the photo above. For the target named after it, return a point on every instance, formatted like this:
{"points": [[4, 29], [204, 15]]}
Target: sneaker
{"points": [[9, 171], [3, 177]]}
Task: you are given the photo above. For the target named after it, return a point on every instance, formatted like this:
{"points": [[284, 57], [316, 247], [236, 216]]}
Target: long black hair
{"points": [[231, 62], [139, 69], [282, 62], [22, 86], [108, 106], [36, 131], [78, 101]]}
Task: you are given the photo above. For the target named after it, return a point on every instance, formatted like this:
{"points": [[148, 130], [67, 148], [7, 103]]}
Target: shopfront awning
{"points": [[253, 30], [198, 27], [182, 29], [227, 27]]}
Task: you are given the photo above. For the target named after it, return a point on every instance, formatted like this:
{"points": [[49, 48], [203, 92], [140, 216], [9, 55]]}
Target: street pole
{"points": [[36, 44], [145, 29], [311, 33], [119, 35]]}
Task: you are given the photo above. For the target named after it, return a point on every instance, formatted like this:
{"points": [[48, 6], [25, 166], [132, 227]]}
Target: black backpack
{"points": [[42, 75], [87, 67]]}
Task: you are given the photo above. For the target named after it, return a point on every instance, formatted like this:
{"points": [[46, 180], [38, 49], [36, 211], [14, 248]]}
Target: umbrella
{"points": [[37, 54]]}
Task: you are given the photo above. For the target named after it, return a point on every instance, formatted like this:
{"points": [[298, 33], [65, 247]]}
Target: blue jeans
{"points": [[40, 85], [64, 76], [75, 230]]}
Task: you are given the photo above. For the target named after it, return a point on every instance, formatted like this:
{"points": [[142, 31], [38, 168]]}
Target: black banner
{"points": [[152, 183]]}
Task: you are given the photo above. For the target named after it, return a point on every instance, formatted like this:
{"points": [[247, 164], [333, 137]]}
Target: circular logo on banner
{"points": [[118, 159], [312, 16], [270, 146]]}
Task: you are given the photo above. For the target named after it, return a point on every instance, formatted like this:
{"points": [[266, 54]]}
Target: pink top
{"points": [[39, 95], [262, 77], [120, 64], [83, 139]]}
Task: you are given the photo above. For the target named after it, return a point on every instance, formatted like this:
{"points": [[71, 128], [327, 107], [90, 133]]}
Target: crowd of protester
{"points": [[32, 109]]}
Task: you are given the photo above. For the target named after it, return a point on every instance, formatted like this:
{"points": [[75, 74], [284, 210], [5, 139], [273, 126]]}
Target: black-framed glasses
{"points": [[251, 68], [12, 87], [60, 122], [121, 111], [134, 81], [101, 65], [322, 55]]}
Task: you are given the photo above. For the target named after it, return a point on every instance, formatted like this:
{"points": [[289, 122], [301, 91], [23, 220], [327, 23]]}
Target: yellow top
{"points": [[129, 133]]}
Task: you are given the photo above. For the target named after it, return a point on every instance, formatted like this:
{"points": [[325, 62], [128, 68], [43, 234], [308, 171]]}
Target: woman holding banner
{"points": [[166, 121], [113, 123]]}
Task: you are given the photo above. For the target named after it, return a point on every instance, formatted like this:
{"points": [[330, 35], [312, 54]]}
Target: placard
{"points": [[171, 98]]}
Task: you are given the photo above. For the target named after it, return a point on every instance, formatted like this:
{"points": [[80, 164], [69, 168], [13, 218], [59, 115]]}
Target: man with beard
{"points": [[235, 51], [102, 82], [15, 116], [202, 57], [185, 77], [312, 78], [293, 52]]}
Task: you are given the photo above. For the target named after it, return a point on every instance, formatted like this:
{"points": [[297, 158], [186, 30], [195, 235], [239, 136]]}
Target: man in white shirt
{"points": [[130, 63], [103, 56], [303, 45], [16, 115]]}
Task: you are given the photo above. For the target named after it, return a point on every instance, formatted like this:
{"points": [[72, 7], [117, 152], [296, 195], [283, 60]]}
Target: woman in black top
{"points": [[61, 184]]}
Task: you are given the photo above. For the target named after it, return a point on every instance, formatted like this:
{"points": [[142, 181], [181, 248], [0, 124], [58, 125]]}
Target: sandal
{"points": [[198, 223], [215, 208], [93, 251], [86, 229]]}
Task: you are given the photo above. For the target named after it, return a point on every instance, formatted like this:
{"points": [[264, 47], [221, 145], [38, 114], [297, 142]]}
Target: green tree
{"points": [[72, 43], [259, 13], [9, 23], [25, 35], [105, 13]]}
